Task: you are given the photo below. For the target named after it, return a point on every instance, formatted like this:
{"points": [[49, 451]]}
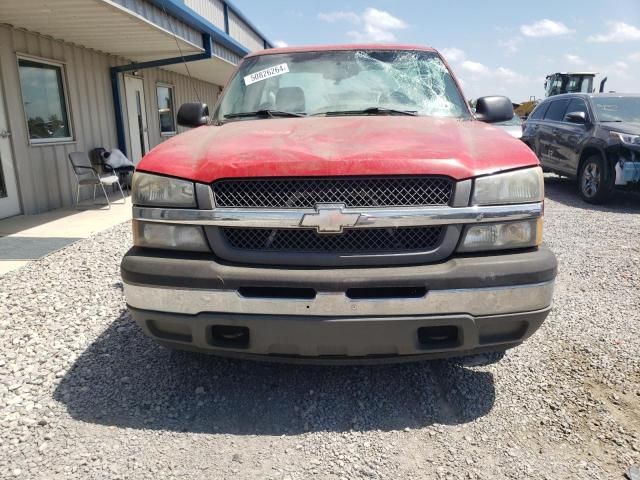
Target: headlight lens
{"points": [[169, 236], [502, 236], [519, 186], [158, 191], [626, 138]]}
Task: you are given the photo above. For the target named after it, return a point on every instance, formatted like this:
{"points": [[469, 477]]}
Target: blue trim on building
{"points": [[115, 81], [210, 33], [179, 10], [226, 18], [208, 53], [117, 108]]}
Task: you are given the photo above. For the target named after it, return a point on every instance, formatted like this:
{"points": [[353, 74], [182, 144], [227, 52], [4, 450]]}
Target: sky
{"points": [[494, 47]]}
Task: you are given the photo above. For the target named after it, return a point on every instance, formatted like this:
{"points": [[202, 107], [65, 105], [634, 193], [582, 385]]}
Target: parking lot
{"points": [[85, 395]]}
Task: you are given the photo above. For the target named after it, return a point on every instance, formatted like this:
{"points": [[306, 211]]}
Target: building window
{"points": [[45, 103], [165, 109]]}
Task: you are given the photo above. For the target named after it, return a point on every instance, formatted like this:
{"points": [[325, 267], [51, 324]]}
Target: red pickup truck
{"points": [[342, 203]]}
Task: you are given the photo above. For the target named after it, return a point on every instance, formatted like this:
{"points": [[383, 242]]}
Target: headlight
{"points": [[502, 236], [158, 191], [169, 236], [519, 186], [626, 138]]}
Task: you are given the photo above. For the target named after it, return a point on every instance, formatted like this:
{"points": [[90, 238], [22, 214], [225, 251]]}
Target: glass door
{"points": [[137, 117]]}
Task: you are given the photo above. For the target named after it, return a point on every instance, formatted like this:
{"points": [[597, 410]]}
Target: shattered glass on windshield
{"points": [[417, 82], [345, 82]]}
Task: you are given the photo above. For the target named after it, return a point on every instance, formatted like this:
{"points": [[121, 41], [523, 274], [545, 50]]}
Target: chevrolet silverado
{"points": [[341, 203]]}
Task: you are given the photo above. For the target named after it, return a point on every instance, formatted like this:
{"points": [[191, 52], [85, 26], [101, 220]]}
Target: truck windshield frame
{"points": [[356, 82]]}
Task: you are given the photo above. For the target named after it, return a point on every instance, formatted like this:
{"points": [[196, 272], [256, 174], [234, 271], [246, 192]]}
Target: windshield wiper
{"points": [[611, 121], [372, 111], [265, 114]]}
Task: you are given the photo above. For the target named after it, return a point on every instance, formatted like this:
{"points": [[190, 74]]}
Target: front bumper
{"points": [[464, 305]]}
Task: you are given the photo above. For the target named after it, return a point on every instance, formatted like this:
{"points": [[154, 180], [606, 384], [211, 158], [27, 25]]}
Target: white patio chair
{"points": [[88, 176]]}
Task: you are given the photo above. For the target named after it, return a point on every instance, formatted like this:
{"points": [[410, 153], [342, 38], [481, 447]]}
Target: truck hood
{"points": [[330, 146]]}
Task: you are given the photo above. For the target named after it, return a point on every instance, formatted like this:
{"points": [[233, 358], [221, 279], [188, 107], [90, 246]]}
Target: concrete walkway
{"points": [[28, 237]]}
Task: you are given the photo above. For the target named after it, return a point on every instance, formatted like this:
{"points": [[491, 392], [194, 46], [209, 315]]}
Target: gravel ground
{"points": [[83, 394]]}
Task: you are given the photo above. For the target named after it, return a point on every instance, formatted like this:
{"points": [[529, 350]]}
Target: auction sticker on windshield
{"points": [[266, 73]]}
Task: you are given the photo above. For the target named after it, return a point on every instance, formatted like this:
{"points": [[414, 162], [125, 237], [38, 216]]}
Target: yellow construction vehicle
{"points": [[562, 82]]}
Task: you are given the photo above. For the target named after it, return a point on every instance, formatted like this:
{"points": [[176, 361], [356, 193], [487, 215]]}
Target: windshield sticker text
{"points": [[266, 73]]}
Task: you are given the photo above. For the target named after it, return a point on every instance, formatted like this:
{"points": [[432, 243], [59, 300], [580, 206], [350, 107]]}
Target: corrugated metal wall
{"points": [[212, 10], [157, 16], [244, 34], [184, 91], [226, 54], [44, 176]]}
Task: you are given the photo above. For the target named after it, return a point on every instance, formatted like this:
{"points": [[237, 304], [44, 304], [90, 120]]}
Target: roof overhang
{"points": [[102, 25], [214, 70]]}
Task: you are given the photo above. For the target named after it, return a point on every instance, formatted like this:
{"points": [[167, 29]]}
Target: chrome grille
{"points": [[350, 191], [357, 240]]}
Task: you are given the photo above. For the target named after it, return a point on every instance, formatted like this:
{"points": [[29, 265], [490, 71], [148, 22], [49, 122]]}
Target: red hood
{"points": [[325, 146]]}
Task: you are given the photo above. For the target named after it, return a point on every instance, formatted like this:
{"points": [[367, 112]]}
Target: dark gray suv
{"points": [[594, 138]]}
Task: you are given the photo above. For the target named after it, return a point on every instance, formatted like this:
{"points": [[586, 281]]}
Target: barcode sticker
{"points": [[266, 73]]}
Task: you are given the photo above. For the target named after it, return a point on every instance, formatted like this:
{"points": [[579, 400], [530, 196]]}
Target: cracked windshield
{"points": [[318, 83]]}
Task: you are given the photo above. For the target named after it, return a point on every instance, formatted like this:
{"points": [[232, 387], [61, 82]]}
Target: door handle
{"points": [[5, 134]]}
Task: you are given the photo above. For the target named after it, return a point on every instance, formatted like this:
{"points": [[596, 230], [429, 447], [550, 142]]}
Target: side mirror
{"points": [[494, 109], [576, 117], [193, 114]]}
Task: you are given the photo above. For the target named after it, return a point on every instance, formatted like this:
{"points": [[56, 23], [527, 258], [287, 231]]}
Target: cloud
{"points": [[507, 75], [332, 17], [480, 80], [618, 32], [476, 70], [501, 74], [574, 59], [453, 54], [375, 25], [280, 44], [545, 28], [634, 57], [511, 44], [618, 70], [474, 67]]}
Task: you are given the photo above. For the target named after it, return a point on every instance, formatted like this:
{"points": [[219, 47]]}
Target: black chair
{"points": [[88, 176], [100, 156]]}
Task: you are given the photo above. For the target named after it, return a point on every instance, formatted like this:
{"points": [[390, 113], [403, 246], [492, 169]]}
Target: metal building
{"points": [[81, 74]]}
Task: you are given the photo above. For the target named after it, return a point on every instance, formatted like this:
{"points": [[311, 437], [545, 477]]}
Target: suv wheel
{"points": [[595, 182]]}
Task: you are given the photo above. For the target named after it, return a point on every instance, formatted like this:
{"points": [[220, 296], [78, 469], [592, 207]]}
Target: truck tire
{"points": [[595, 180]]}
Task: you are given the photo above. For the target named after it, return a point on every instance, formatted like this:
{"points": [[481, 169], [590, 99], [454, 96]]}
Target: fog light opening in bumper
{"points": [[373, 293], [439, 337], [229, 336]]}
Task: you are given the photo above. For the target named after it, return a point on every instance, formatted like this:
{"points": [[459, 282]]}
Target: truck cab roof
{"points": [[344, 47]]}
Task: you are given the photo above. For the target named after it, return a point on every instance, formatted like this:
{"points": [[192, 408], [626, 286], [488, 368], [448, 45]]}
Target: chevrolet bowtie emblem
{"points": [[329, 218]]}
